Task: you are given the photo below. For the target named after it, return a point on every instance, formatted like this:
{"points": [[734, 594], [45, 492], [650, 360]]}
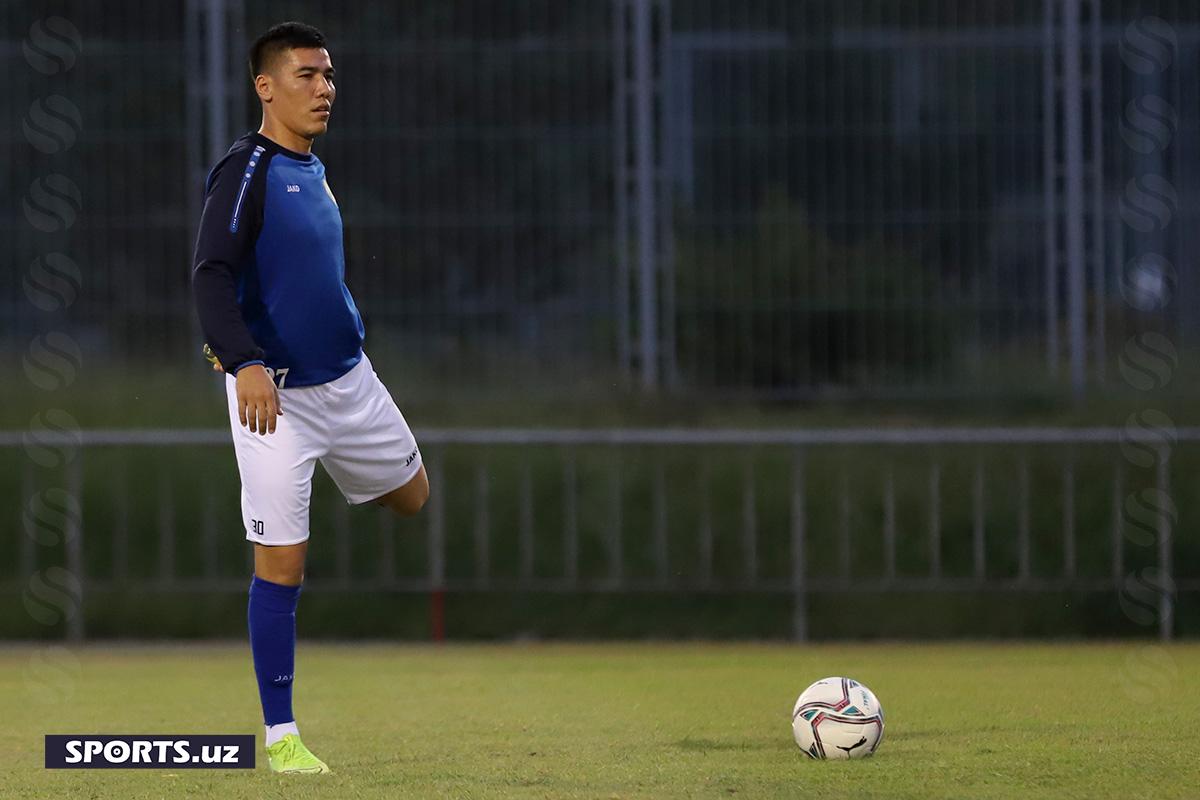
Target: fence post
{"points": [[1069, 518], [208, 532], [437, 544], [615, 549], [935, 521], [28, 559], [705, 543], [341, 533], [647, 201], [661, 546], [1073, 144], [166, 532], [979, 500], [1024, 559], [621, 193], [483, 526], [387, 550], [571, 522], [799, 593], [120, 541], [889, 524], [1166, 600], [525, 534], [1118, 528], [843, 521], [1049, 181], [749, 521], [73, 534]]}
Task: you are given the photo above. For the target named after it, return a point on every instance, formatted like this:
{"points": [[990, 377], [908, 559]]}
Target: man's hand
{"points": [[258, 399]]}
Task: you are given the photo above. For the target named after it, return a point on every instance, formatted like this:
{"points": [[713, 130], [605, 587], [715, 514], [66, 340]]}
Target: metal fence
{"points": [[791, 513], [765, 197]]}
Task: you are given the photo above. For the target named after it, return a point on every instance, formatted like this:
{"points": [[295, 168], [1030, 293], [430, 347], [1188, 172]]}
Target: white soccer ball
{"points": [[837, 718]]}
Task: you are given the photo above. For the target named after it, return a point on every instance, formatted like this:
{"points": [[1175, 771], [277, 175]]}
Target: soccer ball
{"points": [[837, 718]]}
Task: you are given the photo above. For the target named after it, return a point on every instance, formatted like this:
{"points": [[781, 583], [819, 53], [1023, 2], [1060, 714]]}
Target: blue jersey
{"points": [[269, 269]]}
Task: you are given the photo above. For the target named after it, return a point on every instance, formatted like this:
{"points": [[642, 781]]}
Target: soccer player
{"points": [[268, 279]]}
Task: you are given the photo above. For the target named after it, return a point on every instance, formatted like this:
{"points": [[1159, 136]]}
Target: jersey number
{"points": [[278, 375]]}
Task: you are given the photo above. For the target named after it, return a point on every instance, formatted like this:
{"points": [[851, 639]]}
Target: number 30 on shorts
{"points": [[278, 375]]}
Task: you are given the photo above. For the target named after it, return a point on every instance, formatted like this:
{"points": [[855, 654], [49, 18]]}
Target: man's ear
{"points": [[263, 88]]}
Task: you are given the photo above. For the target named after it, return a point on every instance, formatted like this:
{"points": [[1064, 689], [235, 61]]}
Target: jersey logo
{"points": [[237, 207], [293, 188]]}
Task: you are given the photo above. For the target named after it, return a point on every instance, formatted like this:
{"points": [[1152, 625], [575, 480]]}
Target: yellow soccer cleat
{"points": [[290, 755]]}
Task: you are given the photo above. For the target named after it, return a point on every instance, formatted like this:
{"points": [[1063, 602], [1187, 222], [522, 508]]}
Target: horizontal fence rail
{"points": [[793, 512]]}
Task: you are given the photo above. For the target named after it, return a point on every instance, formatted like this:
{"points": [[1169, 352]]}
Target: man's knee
{"points": [[281, 564], [417, 499], [410, 498]]}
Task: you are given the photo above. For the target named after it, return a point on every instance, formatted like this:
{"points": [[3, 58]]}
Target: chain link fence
{"points": [[763, 197]]}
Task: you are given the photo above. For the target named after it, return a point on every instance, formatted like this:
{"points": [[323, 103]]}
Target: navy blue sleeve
{"points": [[229, 226]]}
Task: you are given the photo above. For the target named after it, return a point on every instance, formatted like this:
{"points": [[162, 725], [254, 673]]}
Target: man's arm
{"points": [[228, 229]]}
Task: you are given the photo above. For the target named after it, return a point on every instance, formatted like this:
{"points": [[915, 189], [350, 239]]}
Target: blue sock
{"points": [[272, 617]]}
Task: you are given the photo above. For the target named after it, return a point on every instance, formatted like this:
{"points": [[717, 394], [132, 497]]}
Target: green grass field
{"points": [[626, 721]]}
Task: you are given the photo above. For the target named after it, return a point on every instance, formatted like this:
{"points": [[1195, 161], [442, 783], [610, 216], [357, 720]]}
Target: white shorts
{"points": [[350, 424]]}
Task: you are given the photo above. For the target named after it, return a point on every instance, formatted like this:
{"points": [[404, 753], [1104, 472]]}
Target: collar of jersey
{"points": [[278, 148]]}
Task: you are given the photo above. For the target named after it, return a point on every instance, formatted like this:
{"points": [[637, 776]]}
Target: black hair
{"points": [[279, 38]]}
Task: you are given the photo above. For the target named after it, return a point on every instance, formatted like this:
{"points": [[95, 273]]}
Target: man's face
{"points": [[299, 87]]}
